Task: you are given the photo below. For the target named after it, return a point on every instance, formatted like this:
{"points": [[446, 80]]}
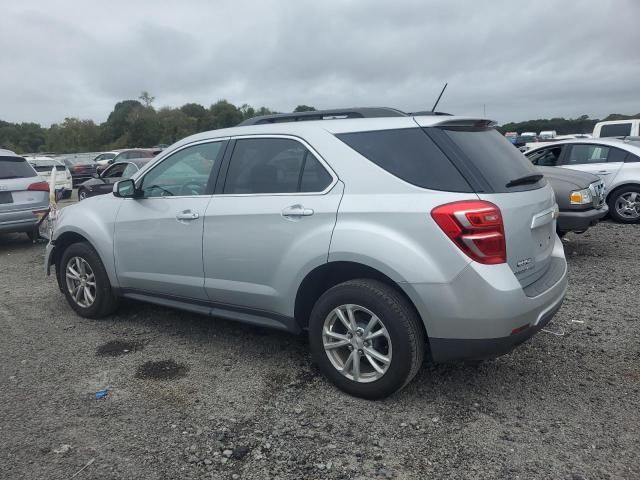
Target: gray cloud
{"points": [[519, 59]]}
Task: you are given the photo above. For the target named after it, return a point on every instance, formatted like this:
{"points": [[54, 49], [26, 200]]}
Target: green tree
{"points": [[146, 98], [224, 114], [304, 108], [174, 124]]}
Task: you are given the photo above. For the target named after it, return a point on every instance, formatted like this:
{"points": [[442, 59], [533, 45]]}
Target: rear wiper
{"points": [[527, 179]]}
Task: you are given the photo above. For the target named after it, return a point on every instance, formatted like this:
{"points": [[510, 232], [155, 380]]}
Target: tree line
{"points": [[137, 123]]}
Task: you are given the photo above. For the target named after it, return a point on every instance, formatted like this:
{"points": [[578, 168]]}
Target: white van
{"points": [[617, 128]]}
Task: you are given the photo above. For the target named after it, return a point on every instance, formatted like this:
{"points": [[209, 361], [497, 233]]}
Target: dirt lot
{"points": [[229, 401]]}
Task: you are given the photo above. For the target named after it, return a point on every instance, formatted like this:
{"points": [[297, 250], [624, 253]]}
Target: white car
{"points": [[44, 166], [104, 157], [615, 161]]}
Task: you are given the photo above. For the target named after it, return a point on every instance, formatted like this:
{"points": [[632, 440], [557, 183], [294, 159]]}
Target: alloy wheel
{"points": [[628, 205], [81, 281], [357, 343]]}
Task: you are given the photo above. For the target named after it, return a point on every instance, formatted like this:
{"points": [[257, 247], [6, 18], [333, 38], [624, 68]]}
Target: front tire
{"points": [[624, 205], [82, 194], [85, 282], [366, 338]]}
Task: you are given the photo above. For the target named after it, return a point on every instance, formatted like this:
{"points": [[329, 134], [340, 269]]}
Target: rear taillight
{"points": [[39, 187], [476, 227]]}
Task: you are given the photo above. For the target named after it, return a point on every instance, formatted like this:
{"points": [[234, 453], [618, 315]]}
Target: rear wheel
{"points": [[366, 338], [624, 205], [85, 282]]}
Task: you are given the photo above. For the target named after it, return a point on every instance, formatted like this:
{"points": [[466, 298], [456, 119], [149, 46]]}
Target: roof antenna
{"points": [[439, 97]]}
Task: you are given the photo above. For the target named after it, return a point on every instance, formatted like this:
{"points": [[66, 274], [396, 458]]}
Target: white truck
{"points": [[617, 128]]}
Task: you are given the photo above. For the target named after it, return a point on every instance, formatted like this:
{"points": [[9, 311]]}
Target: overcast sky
{"points": [[520, 59]]}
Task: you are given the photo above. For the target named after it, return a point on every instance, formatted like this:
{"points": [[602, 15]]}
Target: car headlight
{"points": [[580, 197]]}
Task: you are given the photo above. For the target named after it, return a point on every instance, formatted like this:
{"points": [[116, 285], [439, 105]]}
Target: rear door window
{"points": [[15, 167], [410, 155], [274, 165], [592, 153], [616, 130]]}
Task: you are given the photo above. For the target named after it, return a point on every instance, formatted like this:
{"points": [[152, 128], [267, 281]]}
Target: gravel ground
{"points": [[192, 397]]}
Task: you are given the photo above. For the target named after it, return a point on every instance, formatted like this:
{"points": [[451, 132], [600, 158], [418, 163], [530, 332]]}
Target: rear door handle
{"points": [[297, 211], [187, 215]]}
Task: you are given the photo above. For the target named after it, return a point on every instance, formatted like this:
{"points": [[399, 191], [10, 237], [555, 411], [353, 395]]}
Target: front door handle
{"points": [[297, 211], [603, 172], [187, 215]]}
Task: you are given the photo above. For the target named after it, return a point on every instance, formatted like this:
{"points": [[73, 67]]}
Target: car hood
{"points": [[574, 177]]}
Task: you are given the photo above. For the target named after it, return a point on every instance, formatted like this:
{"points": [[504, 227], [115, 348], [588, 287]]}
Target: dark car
{"points": [[81, 167], [103, 183], [580, 198], [133, 153]]}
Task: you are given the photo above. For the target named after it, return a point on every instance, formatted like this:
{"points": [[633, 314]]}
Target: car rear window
{"points": [[410, 155], [493, 156], [47, 167], [15, 167], [616, 130]]}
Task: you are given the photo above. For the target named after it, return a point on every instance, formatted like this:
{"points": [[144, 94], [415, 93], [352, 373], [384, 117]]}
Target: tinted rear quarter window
{"points": [[15, 167], [495, 158], [410, 155], [616, 130]]}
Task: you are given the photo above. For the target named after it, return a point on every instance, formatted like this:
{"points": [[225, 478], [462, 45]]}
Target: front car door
{"points": [[601, 160], [270, 221], [545, 157], [158, 237]]}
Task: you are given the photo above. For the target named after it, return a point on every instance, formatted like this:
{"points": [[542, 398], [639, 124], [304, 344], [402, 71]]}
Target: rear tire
{"points": [[85, 282], [624, 205], [401, 345]]}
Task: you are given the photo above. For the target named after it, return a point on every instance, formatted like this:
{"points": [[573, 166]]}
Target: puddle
{"points": [[162, 370], [118, 347]]}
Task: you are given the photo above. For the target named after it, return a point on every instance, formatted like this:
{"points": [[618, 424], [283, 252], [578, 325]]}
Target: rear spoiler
{"points": [[462, 123]]}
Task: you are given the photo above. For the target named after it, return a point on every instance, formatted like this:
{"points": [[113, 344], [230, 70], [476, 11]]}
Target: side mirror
{"points": [[125, 189]]}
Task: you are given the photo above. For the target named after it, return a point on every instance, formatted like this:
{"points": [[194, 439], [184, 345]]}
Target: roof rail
{"points": [[427, 113], [338, 113]]}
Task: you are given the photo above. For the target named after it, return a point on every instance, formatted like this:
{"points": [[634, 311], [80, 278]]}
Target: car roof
{"points": [[334, 126], [630, 145], [7, 153]]}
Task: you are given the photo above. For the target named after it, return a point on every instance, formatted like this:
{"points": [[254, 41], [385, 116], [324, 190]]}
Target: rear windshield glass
{"points": [[494, 156], [15, 167], [44, 166], [411, 155], [616, 130]]}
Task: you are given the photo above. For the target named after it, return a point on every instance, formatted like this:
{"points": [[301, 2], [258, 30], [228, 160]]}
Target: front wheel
{"points": [[85, 282], [83, 194], [366, 338], [624, 205]]}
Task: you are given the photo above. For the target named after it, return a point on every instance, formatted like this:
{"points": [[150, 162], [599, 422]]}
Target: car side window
{"points": [[186, 172], [114, 171], [130, 169], [546, 157], [274, 165], [616, 155], [586, 154], [616, 130]]}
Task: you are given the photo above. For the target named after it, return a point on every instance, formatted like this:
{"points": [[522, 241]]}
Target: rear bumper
{"points": [[484, 312], [571, 221], [20, 220]]}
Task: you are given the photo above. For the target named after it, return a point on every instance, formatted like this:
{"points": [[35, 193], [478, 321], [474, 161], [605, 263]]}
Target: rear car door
{"points": [[270, 222], [601, 160], [158, 237]]}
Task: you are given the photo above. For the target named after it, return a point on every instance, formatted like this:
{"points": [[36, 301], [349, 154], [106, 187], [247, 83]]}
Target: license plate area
{"points": [[6, 197]]}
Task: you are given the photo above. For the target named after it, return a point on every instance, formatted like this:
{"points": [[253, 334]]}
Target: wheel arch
{"points": [[327, 275], [620, 187]]}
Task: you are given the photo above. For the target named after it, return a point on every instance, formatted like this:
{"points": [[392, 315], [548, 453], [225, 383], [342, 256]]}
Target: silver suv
{"points": [[383, 235], [24, 196]]}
